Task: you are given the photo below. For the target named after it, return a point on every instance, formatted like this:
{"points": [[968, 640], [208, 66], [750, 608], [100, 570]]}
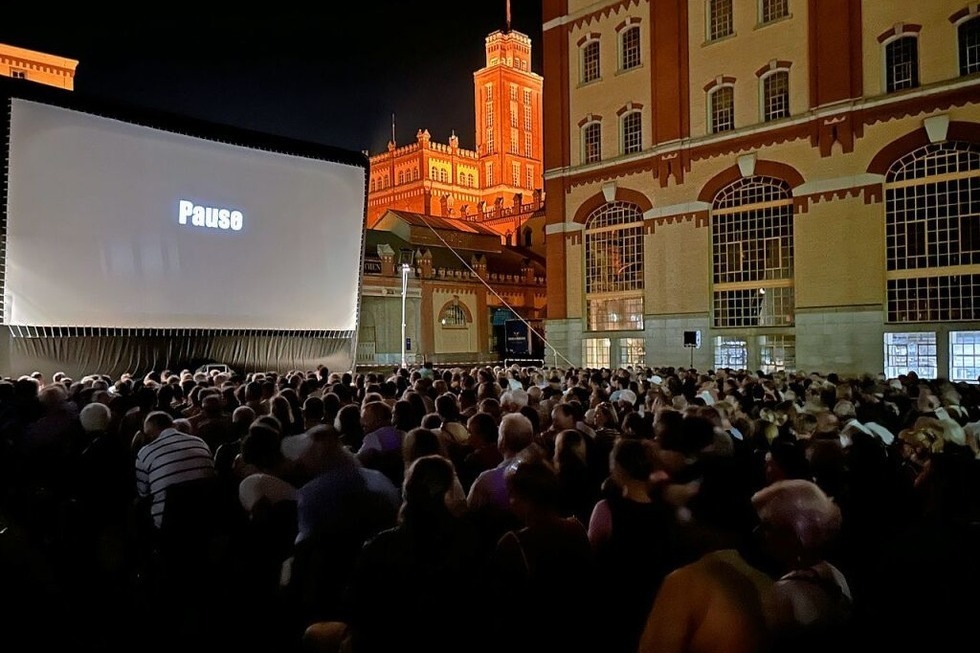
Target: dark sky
{"points": [[333, 75]]}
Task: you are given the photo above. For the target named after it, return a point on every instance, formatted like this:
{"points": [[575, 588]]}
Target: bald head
{"points": [[801, 509], [515, 434]]}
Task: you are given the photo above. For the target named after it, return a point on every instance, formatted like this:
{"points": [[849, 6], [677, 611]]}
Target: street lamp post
{"points": [[405, 269]]}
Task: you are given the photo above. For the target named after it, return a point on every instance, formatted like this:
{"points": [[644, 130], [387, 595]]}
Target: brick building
{"points": [[797, 180]]}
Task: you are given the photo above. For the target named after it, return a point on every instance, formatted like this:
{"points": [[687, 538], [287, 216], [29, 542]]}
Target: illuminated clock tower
{"points": [[508, 117]]}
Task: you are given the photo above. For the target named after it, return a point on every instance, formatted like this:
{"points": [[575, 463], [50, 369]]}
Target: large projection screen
{"points": [[114, 224]]}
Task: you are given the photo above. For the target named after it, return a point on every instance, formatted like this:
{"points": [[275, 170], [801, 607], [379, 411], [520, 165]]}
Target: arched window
{"points": [[969, 37], [469, 181], [902, 63], [443, 176], [752, 254], [527, 236], [434, 176], [401, 177], [374, 185], [775, 95], [590, 61], [932, 221], [721, 108], [592, 142], [629, 48], [453, 315], [632, 122], [614, 267]]}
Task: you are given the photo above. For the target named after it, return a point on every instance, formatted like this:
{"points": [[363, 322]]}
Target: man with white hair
{"points": [[490, 488], [105, 470], [512, 401]]}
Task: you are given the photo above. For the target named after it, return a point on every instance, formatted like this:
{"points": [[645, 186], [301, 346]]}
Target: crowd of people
{"points": [[492, 508]]}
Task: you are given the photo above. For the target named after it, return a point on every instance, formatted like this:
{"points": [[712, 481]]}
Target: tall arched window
{"points": [[592, 142], [969, 37], [721, 109], [374, 185], [775, 95], [401, 177], [614, 267], [632, 132], [902, 63], [932, 223], [629, 48], [434, 175], [752, 252], [590, 61], [443, 176], [469, 180]]}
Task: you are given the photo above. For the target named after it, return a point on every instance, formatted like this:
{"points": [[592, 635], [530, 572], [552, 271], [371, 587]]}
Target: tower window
{"points": [[720, 19], [630, 48], [590, 61], [592, 141]]}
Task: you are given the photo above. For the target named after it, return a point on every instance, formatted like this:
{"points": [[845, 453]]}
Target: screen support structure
{"points": [[405, 270]]}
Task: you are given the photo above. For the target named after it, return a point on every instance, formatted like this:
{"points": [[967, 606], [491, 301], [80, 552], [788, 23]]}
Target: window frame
{"points": [[613, 268], [891, 349], [762, 14], [631, 28], [586, 160], [764, 98], [712, 93], [623, 137], [886, 71], [930, 279], [454, 309], [747, 217], [584, 67], [962, 64], [710, 37], [963, 355]]}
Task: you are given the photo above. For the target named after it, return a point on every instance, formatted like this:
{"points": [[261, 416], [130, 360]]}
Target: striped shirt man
{"points": [[172, 457]]}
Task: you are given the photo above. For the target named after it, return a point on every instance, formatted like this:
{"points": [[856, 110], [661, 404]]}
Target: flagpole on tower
{"points": [[508, 15]]}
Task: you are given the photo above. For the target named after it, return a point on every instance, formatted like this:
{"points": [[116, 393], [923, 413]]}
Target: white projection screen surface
{"points": [[112, 224]]}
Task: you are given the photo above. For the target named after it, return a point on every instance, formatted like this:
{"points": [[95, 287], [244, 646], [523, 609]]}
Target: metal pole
{"points": [[405, 269]]}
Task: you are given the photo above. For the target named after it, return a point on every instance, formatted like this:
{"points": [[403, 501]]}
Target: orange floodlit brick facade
{"points": [[20, 63], [499, 184]]}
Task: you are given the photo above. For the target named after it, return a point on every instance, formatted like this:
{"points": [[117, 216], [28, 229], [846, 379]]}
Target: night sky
{"points": [[331, 78]]}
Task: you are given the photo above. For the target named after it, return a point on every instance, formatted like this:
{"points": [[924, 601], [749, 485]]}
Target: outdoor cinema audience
{"points": [[489, 508]]}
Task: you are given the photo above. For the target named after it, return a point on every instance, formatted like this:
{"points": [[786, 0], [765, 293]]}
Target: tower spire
{"points": [[508, 15]]}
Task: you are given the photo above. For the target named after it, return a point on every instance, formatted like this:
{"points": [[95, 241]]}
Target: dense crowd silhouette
{"points": [[487, 509]]}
